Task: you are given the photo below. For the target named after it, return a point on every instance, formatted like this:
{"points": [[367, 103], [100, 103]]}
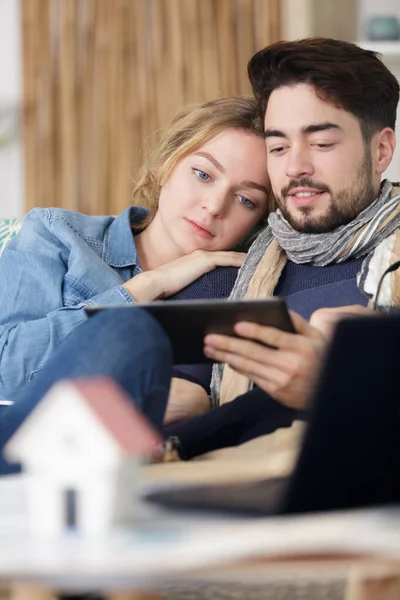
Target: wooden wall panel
{"points": [[101, 77]]}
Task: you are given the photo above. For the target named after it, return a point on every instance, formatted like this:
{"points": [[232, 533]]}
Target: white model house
{"points": [[81, 448]]}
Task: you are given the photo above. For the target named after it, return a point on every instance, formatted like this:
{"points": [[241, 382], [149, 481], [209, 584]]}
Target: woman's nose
{"points": [[216, 204]]}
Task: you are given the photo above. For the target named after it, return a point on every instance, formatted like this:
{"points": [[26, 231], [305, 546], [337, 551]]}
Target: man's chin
{"points": [[307, 221]]}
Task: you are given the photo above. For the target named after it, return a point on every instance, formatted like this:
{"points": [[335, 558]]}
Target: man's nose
{"points": [[299, 164]]}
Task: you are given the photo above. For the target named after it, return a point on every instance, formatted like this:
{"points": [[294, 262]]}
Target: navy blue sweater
{"points": [[305, 289]]}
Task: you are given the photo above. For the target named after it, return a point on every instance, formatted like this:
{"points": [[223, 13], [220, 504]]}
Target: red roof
{"points": [[125, 422]]}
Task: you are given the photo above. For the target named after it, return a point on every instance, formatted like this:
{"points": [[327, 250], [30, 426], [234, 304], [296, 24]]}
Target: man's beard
{"points": [[344, 206]]}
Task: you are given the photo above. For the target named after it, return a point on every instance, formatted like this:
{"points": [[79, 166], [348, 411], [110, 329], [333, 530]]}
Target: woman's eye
{"points": [[246, 202], [201, 174]]}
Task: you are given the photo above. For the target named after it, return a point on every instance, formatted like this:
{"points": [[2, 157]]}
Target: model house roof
{"points": [[109, 404], [125, 422]]}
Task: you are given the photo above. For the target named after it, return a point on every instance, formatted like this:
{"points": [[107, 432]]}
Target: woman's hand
{"points": [[174, 276]]}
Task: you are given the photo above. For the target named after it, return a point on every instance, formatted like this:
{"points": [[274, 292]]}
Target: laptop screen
{"points": [[351, 453]]}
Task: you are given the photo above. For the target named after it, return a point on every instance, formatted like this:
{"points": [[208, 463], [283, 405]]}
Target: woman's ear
{"points": [[385, 147]]}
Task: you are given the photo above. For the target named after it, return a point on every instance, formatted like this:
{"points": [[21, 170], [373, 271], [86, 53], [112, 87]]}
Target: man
{"points": [[329, 110]]}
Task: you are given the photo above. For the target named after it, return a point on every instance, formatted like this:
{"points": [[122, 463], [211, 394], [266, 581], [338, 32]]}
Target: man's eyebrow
{"points": [[306, 130], [274, 133], [213, 160], [320, 127], [254, 186]]}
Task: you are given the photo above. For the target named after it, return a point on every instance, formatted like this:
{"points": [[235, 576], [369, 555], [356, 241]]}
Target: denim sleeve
{"points": [[33, 320]]}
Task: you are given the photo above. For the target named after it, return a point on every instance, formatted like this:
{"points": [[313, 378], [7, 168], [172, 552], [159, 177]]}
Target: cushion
{"points": [[271, 455], [8, 229]]}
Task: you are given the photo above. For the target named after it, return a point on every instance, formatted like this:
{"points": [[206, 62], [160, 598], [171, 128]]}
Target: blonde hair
{"points": [[191, 128]]}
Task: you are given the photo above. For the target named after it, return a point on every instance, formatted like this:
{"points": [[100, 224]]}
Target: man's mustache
{"points": [[304, 182]]}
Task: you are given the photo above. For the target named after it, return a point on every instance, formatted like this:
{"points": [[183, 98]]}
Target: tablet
{"points": [[187, 322]]}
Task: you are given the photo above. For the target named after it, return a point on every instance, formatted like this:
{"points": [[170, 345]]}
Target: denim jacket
{"points": [[59, 262]]}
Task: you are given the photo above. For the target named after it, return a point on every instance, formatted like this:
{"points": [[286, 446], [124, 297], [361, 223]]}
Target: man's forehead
{"points": [[298, 107]]}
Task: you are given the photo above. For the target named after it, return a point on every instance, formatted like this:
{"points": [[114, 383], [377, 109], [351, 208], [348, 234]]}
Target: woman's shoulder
{"points": [[56, 219]]}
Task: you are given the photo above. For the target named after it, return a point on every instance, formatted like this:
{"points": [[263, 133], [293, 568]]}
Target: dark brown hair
{"points": [[341, 73]]}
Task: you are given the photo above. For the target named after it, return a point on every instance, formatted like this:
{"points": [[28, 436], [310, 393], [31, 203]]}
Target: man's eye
{"points": [[246, 202], [324, 146], [277, 150], [201, 174]]}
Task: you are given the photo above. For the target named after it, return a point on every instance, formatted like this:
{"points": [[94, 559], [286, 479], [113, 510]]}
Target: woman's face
{"points": [[215, 196]]}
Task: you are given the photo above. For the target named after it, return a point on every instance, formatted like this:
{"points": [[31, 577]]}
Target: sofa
{"points": [[8, 229]]}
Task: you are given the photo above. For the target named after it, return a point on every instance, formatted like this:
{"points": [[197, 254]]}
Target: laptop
{"points": [[350, 455]]}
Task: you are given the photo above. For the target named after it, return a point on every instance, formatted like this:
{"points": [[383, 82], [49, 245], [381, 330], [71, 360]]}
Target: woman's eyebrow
{"points": [[254, 185], [213, 160]]}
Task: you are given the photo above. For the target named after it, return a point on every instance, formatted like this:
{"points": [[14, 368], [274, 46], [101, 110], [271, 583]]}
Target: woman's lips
{"points": [[199, 230]]}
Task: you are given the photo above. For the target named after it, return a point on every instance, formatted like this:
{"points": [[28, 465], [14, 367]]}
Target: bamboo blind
{"points": [[102, 76]]}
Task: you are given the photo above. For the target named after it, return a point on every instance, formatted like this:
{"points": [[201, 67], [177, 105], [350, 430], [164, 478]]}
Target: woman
{"points": [[207, 191]]}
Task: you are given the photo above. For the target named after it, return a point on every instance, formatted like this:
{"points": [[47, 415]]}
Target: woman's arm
{"points": [[171, 278], [33, 318]]}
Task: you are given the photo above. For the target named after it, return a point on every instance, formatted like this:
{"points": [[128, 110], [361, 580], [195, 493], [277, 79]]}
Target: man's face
{"points": [[320, 168]]}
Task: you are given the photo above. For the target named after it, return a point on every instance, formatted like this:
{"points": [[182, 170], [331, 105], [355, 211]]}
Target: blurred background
{"points": [[87, 85]]}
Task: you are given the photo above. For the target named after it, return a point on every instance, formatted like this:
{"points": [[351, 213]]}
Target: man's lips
{"points": [[200, 229], [304, 196]]}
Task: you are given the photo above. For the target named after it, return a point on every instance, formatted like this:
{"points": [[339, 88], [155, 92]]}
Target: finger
{"points": [[234, 259], [268, 378], [278, 338], [257, 357], [241, 254], [255, 370], [302, 326], [271, 336], [208, 261], [232, 344], [227, 253]]}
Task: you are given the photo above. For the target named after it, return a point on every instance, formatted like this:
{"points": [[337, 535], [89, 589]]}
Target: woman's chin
{"points": [[192, 245]]}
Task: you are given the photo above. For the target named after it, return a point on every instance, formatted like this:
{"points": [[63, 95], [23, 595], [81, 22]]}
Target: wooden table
{"points": [[368, 578]]}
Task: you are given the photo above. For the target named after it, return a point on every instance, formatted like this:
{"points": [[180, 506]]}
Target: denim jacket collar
{"points": [[119, 243]]}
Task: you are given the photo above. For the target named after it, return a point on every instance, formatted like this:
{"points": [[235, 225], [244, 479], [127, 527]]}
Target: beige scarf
{"points": [[374, 234]]}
